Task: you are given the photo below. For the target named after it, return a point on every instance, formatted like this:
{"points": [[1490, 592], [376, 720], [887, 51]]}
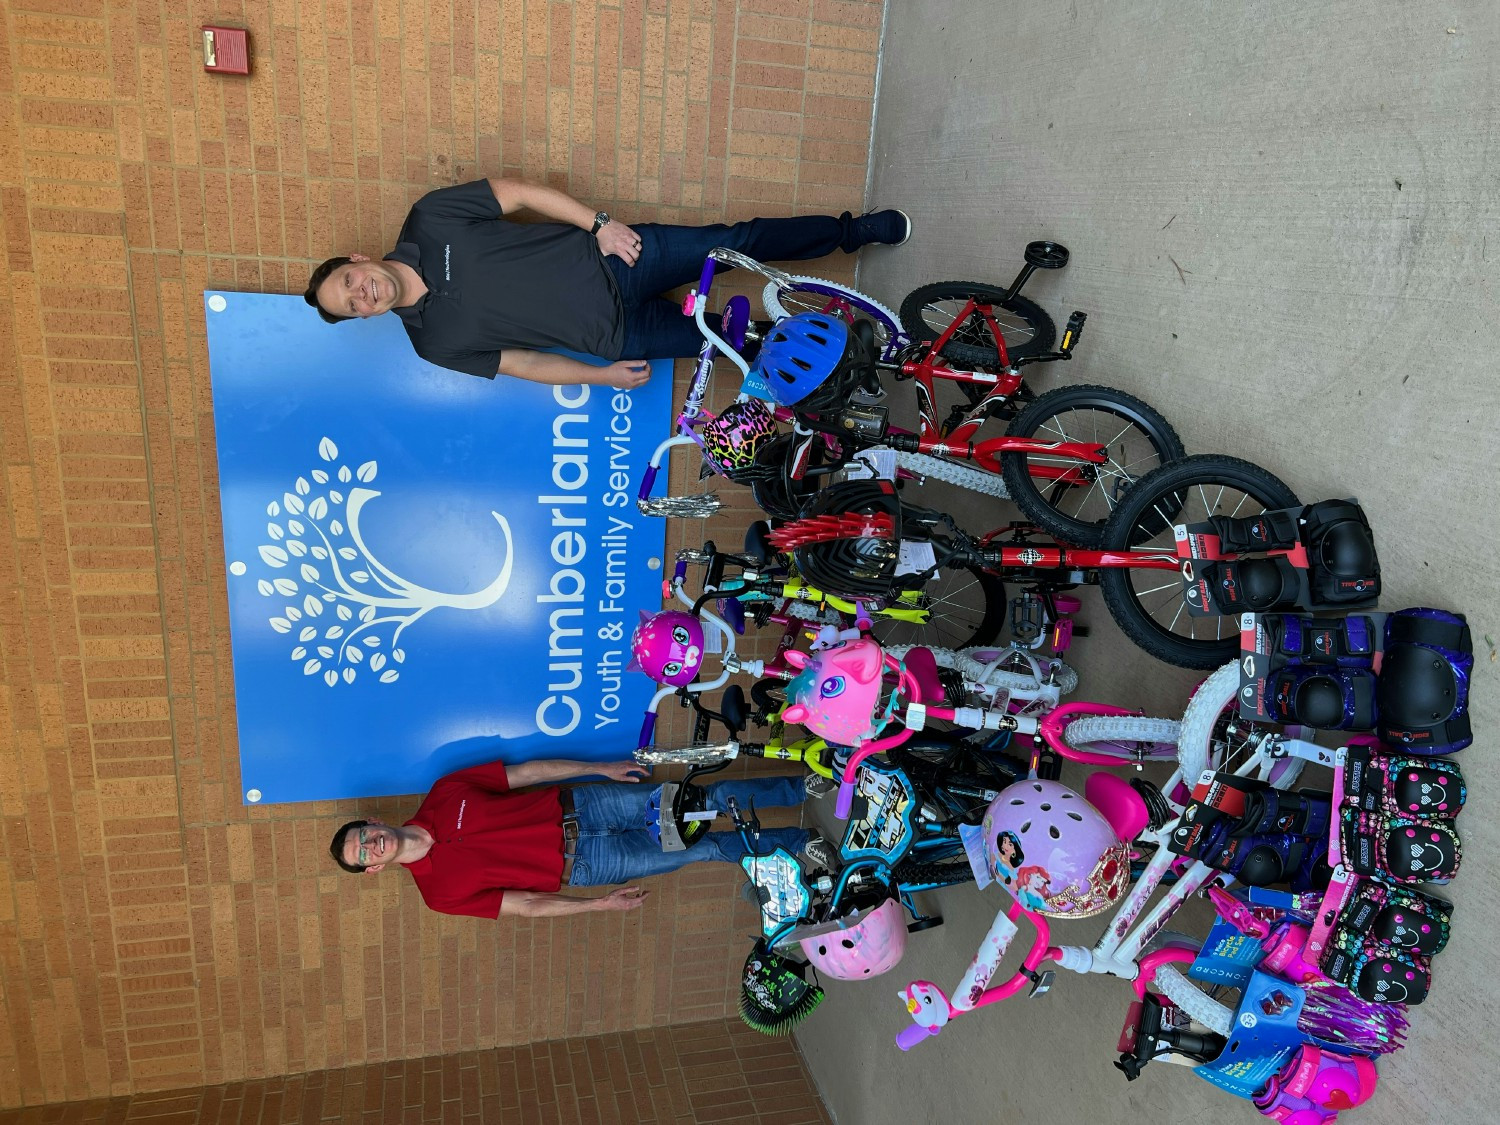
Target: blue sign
{"points": [[425, 570]]}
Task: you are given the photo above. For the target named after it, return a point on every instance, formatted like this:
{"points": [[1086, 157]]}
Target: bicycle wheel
{"points": [[1148, 604], [911, 876], [1127, 737], [1213, 736], [964, 476], [706, 755], [932, 761], [927, 312], [1137, 440], [965, 606], [1011, 670], [813, 294]]}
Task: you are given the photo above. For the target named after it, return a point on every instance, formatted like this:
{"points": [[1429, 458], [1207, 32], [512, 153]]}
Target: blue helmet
{"points": [[800, 354]]}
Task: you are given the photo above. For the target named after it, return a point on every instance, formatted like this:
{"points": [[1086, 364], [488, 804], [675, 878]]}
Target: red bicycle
{"points": [[1067, 456], [860, 540]]}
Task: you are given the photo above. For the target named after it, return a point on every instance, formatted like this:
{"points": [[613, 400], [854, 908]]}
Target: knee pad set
{"points": [[1261, 836], [1396, 815], [1324, 558], [1383, 938], [1404, 675]]}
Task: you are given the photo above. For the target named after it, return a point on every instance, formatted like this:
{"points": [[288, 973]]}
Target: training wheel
{"points": [[923, 924], [1046, 255]]}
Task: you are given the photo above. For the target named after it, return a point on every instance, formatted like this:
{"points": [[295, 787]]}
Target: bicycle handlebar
{"points": [[929, 1005]]}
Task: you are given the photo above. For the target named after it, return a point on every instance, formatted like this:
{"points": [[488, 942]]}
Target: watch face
{"points": [[602, 217]]}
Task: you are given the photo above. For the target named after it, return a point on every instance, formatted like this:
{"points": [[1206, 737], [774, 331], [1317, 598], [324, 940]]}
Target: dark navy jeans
{"points": [[614, 846], [671, 256]]}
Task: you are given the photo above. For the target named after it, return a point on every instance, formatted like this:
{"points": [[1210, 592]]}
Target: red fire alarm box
{"points": [[226, 50]]}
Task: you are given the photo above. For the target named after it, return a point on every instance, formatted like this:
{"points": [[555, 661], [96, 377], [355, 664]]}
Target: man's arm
{"points": [[549, 770], [517, 195], [544, 367], [538, 904]]}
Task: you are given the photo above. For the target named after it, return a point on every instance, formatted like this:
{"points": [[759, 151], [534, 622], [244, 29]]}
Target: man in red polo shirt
{"points": [[484, 844]]}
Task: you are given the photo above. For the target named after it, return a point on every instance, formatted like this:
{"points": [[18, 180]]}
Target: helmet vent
{"points": [[1017, 801], [1053, 832], [1037, 786], [847, 943], [1075, 816], [1025, 828], [802, 363], [1046, 806]]}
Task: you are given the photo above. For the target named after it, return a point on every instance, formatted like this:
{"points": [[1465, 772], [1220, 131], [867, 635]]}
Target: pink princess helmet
{"points": [[1054, 851], [667, 646], [871, 946], [837, 691]]}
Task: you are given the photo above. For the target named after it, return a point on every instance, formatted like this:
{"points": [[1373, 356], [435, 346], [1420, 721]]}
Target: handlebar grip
{"points": [[679, 572], [715, 576], [648, 730], [909, 1037], [845, 800], [646, 482], [706, 278], [1072, 330]]}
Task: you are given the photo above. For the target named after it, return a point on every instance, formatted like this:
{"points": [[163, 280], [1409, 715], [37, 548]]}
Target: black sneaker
{"points": [[823, 853], [890, 227]]}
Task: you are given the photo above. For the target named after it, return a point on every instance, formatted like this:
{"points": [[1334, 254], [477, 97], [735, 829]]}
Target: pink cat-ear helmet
{"points": [[668, 647]]}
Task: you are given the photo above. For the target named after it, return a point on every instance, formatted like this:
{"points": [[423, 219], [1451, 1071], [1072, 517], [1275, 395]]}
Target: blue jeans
{"points": [[671, 256], [614, 846]]}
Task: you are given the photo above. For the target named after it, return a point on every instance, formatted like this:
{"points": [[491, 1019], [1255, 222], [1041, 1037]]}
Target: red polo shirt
{"points": [[487, 840]]}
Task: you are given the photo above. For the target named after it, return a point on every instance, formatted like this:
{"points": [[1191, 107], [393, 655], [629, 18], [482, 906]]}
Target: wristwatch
{"points": [[599, 220]]}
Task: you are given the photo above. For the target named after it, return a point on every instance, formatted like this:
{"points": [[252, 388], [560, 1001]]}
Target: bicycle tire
{"points": [[966, 606], [800, 294], [686, 756], [1173, 494], [1098, 734], [1033, 328], [932, 876], [951, 472], [975, 663], [1197, 739], [1187, 996], [932, 762], [1073, 513]]}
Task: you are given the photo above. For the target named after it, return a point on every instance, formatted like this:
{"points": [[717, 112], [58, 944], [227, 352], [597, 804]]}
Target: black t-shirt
{"points": [[494, 284]]}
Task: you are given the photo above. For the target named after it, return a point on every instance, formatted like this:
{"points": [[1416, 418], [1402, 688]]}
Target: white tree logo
{"points": [[353, 609]]}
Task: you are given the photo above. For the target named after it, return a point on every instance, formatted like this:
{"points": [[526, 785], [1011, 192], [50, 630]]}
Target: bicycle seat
{"points": [[923, 666], [757, 546], [733, 708], [1118, 803]]}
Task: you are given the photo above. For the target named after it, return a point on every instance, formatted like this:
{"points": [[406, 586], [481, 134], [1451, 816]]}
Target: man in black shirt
{"points": [[482, 295]]}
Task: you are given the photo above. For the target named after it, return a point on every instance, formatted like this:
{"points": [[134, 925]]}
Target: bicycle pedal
{"points": [[1041, 983]]}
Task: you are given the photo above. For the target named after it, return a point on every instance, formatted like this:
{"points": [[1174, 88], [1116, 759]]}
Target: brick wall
{"points": [[715, 1073], [154, 933]]}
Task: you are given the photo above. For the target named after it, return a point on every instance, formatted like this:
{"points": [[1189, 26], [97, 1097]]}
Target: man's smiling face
{"points": [[372, 846], [361, 288]]}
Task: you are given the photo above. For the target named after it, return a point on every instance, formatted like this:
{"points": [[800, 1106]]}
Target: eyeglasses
{"points": [[367, 835]]}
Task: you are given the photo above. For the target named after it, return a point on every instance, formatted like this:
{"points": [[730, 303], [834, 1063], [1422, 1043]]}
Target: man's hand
{"points": [[625, 898], [623, 771], [618, 239], [626, 374]]}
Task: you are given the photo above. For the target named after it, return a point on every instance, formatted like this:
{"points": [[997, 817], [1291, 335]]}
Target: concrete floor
{"points": [[1279, 217]]}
